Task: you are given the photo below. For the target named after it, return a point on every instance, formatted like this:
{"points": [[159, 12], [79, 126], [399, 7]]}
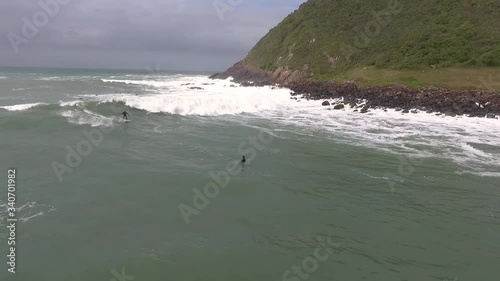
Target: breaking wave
{"points": [[22, 107], [86, 117], [473, 143]]}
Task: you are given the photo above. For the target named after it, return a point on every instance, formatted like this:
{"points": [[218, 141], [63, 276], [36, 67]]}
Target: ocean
{"points": [[324, 195]]}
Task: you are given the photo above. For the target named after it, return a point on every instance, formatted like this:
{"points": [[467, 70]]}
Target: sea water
{"points": [[325, 194]]}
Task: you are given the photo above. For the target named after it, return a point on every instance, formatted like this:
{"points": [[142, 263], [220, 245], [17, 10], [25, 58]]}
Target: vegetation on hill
{"points": [[331, 38]]}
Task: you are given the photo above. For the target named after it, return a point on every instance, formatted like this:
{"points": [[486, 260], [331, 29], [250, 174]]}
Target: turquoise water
{"points": [[325, 195]]}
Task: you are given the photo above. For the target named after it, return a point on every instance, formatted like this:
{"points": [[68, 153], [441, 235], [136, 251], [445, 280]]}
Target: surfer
{"points": [[125, 115], [243, 160]]}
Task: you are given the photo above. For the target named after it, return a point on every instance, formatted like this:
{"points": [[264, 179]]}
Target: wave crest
{"points": [[22, 107]]}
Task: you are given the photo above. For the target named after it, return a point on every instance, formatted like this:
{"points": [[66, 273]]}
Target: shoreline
{"points": [[470, 103], [401, 98]]}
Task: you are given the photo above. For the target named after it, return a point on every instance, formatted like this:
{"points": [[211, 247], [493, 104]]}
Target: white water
{"points": [[216, 97], [473, 143], [71, 103], [21, 107], [461, 139], [423, 135], [87, 117], [28, 210]]}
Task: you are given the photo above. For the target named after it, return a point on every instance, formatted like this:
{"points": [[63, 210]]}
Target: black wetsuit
{"points": [[125, 115], [243, 160]]}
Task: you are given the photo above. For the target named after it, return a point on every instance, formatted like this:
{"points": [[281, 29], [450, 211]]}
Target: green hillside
{"points": [[331, 38]]}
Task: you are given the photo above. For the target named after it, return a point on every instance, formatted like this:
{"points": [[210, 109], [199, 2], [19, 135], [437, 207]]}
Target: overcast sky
{"points": [[134, 34]]}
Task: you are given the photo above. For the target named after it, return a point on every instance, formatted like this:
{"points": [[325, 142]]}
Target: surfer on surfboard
{"points": [[125, 115]]}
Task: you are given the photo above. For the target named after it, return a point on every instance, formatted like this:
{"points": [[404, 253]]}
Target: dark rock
{"points": [[365, 109], [242, 73], [406, 111], [195, 88], [490, 115], [326, 103], [414, 111], [338, 106]]}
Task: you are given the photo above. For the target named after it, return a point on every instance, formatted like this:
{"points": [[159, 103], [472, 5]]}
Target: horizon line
{"points": [[145, 69]]}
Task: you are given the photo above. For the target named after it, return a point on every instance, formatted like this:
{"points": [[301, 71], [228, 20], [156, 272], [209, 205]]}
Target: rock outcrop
{"points": [[248, 76], [243, 74], [429, 99]]}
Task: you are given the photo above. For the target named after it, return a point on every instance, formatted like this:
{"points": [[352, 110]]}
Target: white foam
{"points": [[138, 82], [214, 99], [28, 205], [67, 78], [54, 78], [21, 107], [30, 210], [26, 218], [420, 135], [87, 117], [70, 103], [159, 81]]}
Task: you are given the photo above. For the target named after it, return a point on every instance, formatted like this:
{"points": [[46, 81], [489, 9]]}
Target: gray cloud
{"points": [[174, 34]]}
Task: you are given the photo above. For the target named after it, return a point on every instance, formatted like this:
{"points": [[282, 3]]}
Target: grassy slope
{"points": [[453, 78], [329, 39]]}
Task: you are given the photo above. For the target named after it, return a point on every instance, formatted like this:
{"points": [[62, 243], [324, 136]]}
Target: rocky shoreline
{"points": [[470, 103], [256, 77], [401, 98]]}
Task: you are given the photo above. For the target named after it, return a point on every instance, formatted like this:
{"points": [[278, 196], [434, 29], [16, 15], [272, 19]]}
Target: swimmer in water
{"points": [[243, 160]]}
